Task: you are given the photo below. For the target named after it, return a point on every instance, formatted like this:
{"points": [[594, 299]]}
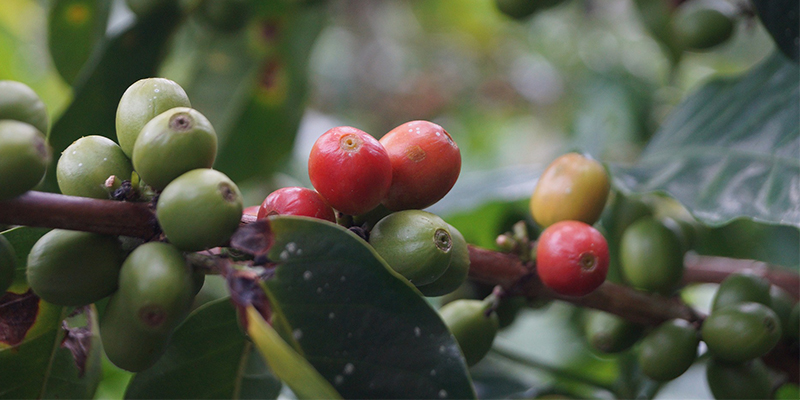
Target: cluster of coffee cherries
{"points": [[378, 187], [165, 153], [749, 316]]}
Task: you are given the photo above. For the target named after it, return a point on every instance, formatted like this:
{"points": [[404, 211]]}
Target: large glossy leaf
{"points": [[291, 367], [75, 27], [780, 17], [37, 357], [127, 57], [208, 358], [362, 326], [730, 150], [22, 239]]}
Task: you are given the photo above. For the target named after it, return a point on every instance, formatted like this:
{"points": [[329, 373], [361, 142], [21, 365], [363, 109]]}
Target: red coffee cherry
{"points": [[572, 258], [296, 201], [350, 169], [425, 164]]}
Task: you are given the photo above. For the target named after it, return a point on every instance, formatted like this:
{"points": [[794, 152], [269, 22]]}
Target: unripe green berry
{"points": [[473, 327], [199, 209], [741, 332], [72, 268], [85, 166], [24, 157], [740, 288], [609, 333], [748, 380], [20, 103], [457, 271], [651, 256], [142, 101], [669, 350], [172, 143], [782, 303], [416, 244]]}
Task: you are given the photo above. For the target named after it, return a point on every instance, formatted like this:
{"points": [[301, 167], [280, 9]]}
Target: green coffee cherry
{"points": [[415, 243], [700, 27], [24, 157], [70, 268], [126, 346], [741, 332], [610, 333], [651, 256], [156, 285], [738, 380], [20, 103], [87, 163], [199, 209], [669, 350], [142, 101], [456, 273], [782, 303], [740, 288], [472, 327], [7, 264], [172, 143]]}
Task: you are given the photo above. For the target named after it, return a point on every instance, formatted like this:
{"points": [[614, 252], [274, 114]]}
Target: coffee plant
{"points": [[160, 238]]}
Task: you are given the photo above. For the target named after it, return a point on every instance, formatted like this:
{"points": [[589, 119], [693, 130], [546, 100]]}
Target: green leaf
{"points": [[208, 358], [731, 150], [34, 362], [22, 238], [361, 325], [290, 366], [261, 139], [780, 17], [75, 27], [131, 55]]}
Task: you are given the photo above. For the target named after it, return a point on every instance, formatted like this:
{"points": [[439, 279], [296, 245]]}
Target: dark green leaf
{"points": [[22, 238], [37, 364], [290, 366], [127, 57], [730, 150], [362, 326], [261, 139], [780, 17], [75, 27], [208, 358]]}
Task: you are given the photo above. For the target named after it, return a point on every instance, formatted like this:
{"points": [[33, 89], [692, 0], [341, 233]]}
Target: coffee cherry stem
{"points": [[507, 270]]}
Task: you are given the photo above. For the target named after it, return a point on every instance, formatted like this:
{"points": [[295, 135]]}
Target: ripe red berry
{"points": [[425, 164], [350, 169], [572, 258], [296, 201]]}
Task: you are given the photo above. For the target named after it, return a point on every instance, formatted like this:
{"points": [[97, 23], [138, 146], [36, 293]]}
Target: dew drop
{"points": [[417, 331], [331, 316], [307, 275], [442, 349], [297, 334], [105, 158], [284, 255], [433, 372], [291, 247], [74, 152], [342, 279], [442, 394], [319, 290], [338, 379], [349, 368], [80, 164], [157, 90]]}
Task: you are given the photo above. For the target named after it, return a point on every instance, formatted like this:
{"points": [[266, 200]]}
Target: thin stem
{"points": [[557, 371]]}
